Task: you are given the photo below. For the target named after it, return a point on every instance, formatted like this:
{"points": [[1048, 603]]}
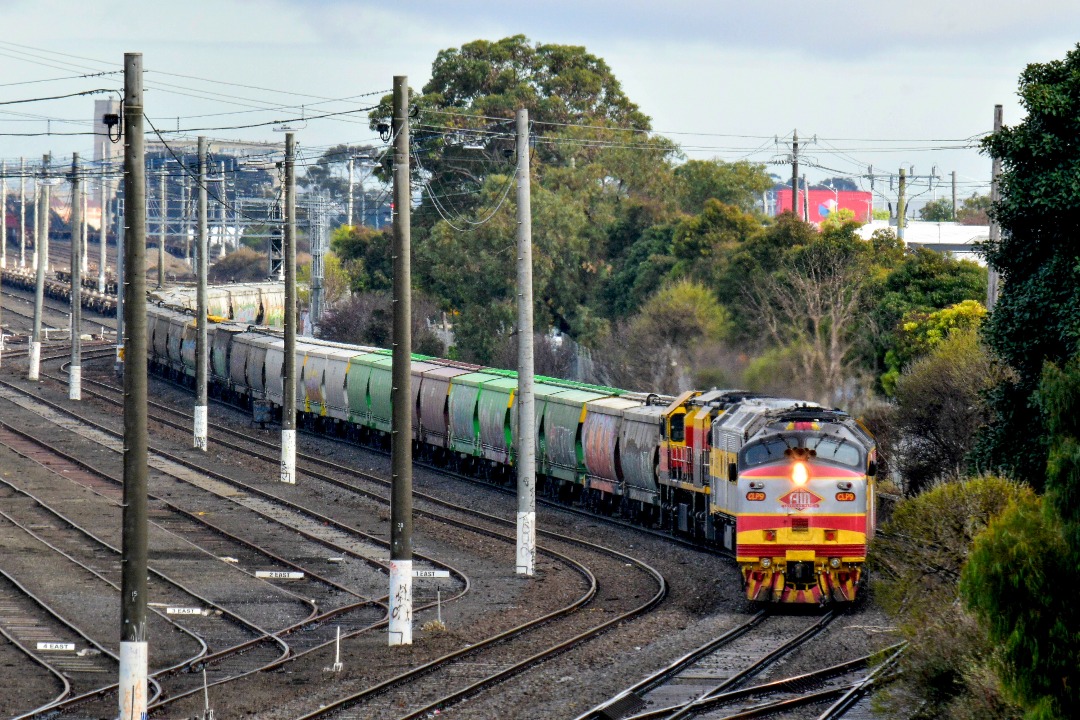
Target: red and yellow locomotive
{"points": [[786, 486]]}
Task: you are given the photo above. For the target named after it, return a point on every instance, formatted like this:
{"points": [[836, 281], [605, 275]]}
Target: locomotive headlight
{"points": [[834, 563], [799, 474], [766, 562]]}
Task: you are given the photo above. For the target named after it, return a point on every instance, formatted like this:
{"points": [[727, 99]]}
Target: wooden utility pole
{"points": [[75, 368], [401, 371], [526, 434], [133, 597], [202, 352], [993, 279], [288, 403]]}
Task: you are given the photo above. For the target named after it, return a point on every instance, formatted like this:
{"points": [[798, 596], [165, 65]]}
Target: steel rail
{"points": [[472, 649], [386, 685], [263, 635], [692, 707], [205, 657]]}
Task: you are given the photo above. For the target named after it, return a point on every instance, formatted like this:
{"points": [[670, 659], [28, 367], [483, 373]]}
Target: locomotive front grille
{"points": [[800, 572]]}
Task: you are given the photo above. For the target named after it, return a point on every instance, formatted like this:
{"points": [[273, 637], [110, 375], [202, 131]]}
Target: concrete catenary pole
{"points": [[41, 259], [221, 213], [202, 352], [85, 232], [103, 231], [805, 200], [350, 202], [955, 217], [993, 279], [22, 213], [795, 172], [901, 203], [75, 368], [185, 198], [401, 394], [163, 219], [526, 437], [120, 291], [288, 403], [133, 636]]}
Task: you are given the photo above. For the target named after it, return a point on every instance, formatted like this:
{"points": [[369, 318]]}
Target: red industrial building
{"points": [[824, 202]]}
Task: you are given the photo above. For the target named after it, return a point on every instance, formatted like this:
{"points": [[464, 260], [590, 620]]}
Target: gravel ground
{"points": [[704, 597]]}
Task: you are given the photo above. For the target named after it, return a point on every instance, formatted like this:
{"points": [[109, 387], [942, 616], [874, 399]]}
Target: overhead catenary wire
{"points": [[444, 214]]}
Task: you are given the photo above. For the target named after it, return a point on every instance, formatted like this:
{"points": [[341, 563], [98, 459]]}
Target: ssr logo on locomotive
{"points": [[801, 499]]}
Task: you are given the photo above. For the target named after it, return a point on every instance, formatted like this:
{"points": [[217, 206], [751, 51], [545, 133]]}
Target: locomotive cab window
{"points": [[838, 451], [678, 430], [764, 452]]}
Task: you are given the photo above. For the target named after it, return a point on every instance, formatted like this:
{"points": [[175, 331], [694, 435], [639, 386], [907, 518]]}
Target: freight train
{"points": [[59, 287], [784, 486]]}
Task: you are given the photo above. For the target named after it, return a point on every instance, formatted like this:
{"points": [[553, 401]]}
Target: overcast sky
{"points": [[878, 83]]}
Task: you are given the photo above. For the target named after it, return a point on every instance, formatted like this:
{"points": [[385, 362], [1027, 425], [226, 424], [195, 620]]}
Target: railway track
{"points": [[445, 668], [705, 683], [72, 659], [306, 639], [221, 627], [20, 303]]}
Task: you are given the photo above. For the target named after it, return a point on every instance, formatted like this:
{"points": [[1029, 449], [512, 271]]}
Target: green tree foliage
{"points": [[1058, 399], [243, 265], [739, 183], [940, 210], [365, 256], [1019, 580], [330, 171], [1035, 319], [974, 210], [639, 270], [917, 559], [559, 85], [367, 318], [837, 183], [940, 407], [810, 306], [655, 349], [472, 268], [920, 332], [921, 283], [336, 280], [703, 244], [751, 262], [599, 182], [1023, 571]]}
